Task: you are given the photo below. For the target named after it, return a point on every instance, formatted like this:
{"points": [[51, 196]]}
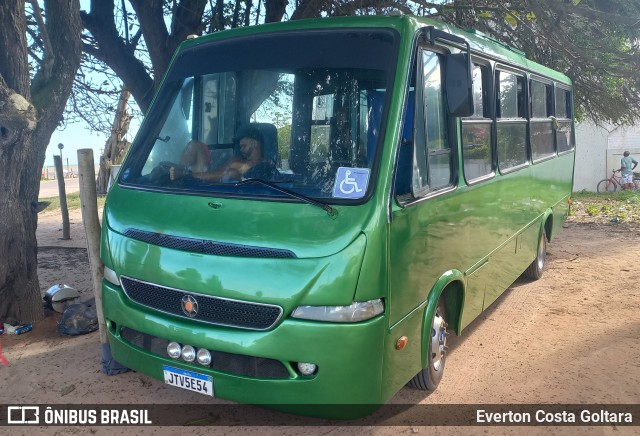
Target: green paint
{"points": [[465, 242]]}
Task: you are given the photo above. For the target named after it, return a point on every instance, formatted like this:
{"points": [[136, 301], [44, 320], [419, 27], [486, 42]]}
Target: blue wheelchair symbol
{"points": [[351, 182]]}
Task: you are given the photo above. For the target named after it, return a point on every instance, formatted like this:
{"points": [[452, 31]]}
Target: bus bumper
{"points": [[348, 356]]}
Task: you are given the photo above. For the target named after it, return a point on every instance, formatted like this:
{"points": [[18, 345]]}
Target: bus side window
{"points": [[540, 124], [435, 150], [564, 133], [511, 120], [425, 162], [477, 151]]}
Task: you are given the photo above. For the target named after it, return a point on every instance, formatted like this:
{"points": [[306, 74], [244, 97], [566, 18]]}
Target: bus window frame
{"points": [[550, 117], [488, 117], [523, 100], [570, 110], [447, 125], [416, 79]]}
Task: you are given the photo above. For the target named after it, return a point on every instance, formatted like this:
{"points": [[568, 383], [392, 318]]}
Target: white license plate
{"points": [[203, 384]]}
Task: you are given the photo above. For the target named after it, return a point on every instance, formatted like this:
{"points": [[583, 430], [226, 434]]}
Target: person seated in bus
{"points": [[196, 160]]}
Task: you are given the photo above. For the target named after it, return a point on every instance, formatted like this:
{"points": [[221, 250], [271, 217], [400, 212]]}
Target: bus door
{"points": [[423, 235]]}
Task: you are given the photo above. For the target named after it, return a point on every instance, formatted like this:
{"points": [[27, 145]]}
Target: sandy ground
{"points": [[571, 337]]}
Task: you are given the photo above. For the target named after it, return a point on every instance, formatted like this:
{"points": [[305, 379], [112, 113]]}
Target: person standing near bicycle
{"points": [[627, 165]]}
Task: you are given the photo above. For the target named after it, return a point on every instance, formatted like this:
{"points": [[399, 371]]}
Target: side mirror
{"points": [[458, 85]]}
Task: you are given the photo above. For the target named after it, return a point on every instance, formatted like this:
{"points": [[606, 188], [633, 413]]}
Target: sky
{"points": [[77, 136], [74, 137]]}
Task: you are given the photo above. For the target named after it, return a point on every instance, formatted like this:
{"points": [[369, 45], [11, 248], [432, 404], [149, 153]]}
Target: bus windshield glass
{"points": [[301, 109]]}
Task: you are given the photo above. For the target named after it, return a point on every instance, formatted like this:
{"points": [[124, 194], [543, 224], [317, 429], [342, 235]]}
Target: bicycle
{"points": [[614, 182]]}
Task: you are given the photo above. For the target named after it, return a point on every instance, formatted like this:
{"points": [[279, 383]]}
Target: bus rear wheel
{"points": [[428, 378], [536, 269]]}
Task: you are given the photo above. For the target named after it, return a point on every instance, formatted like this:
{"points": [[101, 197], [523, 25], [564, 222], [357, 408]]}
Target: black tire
{"points": [[605, 186], [536, 269], [428, 378]]}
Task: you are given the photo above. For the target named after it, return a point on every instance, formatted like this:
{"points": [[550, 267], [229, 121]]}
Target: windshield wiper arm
{"points": [[324, 206]]}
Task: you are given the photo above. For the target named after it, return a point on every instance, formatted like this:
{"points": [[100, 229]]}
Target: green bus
{"points": [[310, 206]]}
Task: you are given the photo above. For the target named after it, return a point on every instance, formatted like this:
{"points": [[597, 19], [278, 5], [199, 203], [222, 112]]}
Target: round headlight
{"points": [[188, 353], [307, 368], [204, 357], [174, 350]]}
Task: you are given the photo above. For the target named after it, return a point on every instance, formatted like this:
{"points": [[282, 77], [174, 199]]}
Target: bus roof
{"points": [[406, 25]]}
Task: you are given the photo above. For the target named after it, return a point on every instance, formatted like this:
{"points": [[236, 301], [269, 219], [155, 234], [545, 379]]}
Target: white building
{"points": [[599, 150]]}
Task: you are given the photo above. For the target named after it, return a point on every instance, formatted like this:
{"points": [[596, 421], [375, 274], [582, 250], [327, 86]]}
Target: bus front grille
{"points": [[237, 364], [208, 309]]}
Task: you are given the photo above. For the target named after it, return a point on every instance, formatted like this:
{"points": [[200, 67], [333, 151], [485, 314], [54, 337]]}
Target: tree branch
{"points": [[48, 59], [274, 10], [151, 17], [187, 20], [14, 64], [112, 50]]}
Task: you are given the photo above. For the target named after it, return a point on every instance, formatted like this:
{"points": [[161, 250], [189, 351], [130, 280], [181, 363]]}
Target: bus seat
{"points": [[375, 101], [404, 171], [269, 134]]}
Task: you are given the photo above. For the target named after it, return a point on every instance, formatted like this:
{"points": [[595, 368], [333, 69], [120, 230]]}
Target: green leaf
{"points": [[510, 19]]}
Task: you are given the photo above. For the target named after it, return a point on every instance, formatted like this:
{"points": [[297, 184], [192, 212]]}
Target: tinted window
{"points": [[511, 124], [541, 127], [564, 125], [313, 100], [477, 151]]}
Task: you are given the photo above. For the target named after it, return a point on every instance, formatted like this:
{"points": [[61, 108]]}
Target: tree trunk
{"points": [[116, 146], [20, 298], [28, 117], [274, 10]]}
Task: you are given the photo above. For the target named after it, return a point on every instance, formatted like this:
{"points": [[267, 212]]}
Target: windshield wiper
{"points": [[330, 211]]}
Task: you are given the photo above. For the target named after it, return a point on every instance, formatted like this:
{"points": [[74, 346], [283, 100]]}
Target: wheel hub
{"points": [[438, 341]]}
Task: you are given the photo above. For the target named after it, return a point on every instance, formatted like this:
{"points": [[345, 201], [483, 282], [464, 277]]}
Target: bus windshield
{"points": [[302, 110]]}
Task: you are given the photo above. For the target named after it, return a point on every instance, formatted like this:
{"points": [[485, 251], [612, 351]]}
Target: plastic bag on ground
{"points": [[79, 319]]}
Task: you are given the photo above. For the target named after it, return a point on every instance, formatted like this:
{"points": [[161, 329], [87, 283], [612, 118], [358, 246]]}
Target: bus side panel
{"points": [[554, 178], [401, 365], [426, 240], [510, 261], [560, 214]]}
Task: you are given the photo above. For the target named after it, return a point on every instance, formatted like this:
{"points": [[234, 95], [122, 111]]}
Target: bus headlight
{"points": [[203, 357], [307, 368], [174, 350], [188, 353], [111, 276], [356, 312]]}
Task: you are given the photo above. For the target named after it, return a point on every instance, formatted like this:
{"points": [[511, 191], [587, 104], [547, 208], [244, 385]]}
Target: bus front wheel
{"points": [[428, 378]]}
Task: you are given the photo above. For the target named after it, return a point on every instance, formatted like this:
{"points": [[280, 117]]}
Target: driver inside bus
{"points": [[196, 160]]}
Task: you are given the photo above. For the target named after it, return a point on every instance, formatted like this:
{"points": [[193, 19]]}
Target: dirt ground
{"points": [[571, 337]]}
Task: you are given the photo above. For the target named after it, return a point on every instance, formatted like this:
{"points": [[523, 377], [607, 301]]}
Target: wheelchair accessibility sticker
{"points": [[351, 182]]}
